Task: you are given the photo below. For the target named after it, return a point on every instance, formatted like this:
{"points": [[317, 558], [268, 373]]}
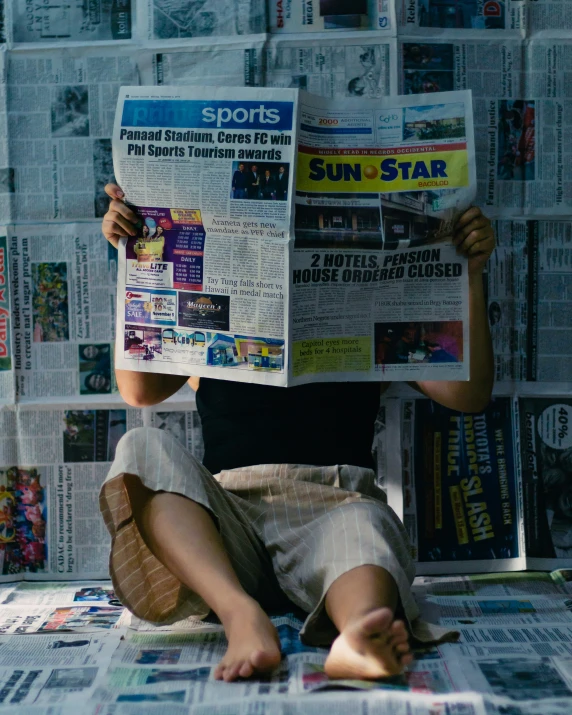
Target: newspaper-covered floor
{"points": [[71, 647]]}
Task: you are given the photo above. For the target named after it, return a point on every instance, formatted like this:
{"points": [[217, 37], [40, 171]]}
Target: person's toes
{"points": [[264, 660], [375, 623], [231, 672], [219, 671], [398, 628], [246, 669]]}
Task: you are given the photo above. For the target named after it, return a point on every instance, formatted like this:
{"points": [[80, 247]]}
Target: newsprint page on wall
{"points": [[234, 274]]}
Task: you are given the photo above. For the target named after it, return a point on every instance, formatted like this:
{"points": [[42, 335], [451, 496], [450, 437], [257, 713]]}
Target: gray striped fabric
{"points": [[286, 528]]}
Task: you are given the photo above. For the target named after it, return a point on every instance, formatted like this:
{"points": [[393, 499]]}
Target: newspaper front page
{"points": [[214, 280], [60, 120]]}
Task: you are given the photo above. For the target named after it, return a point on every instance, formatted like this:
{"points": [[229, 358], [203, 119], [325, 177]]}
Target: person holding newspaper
{"points": [[278, 520]]}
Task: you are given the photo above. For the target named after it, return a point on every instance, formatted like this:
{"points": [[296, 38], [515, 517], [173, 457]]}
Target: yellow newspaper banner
{"points": [[389, 173], [319, 355]]}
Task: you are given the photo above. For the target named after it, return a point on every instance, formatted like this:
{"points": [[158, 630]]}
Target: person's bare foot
{"points": [[253, 644], [371, 646]]}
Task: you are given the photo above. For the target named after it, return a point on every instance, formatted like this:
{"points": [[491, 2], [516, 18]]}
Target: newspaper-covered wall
{"points": [[61, 65], [519, 98], [490, 491], [63, 293], [53, 461], [39, 22], [60, 121], [176, 20]]}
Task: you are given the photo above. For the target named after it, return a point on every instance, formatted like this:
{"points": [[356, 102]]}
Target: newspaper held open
{"points": [[234, 275]]}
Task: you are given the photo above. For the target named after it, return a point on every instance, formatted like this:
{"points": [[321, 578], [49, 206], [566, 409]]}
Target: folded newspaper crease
{"points": [[287, 238]]}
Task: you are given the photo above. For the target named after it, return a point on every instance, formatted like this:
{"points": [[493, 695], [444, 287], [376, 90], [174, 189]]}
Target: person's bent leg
{"points": [[182, 535], [371, 644], [182, 545]]}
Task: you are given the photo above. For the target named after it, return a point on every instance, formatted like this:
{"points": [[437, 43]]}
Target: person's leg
{"points": [[182, 535], [361, 603]]}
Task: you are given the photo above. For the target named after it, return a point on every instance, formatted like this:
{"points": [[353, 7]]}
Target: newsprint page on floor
{"points": [[286, 238]]}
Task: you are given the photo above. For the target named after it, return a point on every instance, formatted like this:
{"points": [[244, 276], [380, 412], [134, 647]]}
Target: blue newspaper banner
{"points": [[207, 114], [465, 483]]}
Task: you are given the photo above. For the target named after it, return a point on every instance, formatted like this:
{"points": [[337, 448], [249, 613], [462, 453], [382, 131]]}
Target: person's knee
{"points": [[146, 439]]}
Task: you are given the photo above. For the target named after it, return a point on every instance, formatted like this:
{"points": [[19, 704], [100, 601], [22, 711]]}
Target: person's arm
{"points": [[139, 389], [474, 238], [142, 389]]}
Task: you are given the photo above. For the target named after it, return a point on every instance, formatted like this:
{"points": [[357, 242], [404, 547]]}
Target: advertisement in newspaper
{"points": [[60, 123], [342, 65], [205, 287], [521, 152], [92, 21], [546, 453], [308, 16], [182, 19], [461, 487], [63, 298]]}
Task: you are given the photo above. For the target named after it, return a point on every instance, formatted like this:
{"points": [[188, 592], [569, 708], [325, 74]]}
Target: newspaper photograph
{"points": [[342, 65], [187, 302], [160, 20], [60, 123], [297, 16], [76, 21]]}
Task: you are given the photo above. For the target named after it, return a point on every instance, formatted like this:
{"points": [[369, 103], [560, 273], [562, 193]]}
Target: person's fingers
{"points": [[468, 216], [480, 222], [474, 238], [114, 191], [477, 243], [485, 246], [113, 238], [120, 220], [110, 227], [124, 210]]}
